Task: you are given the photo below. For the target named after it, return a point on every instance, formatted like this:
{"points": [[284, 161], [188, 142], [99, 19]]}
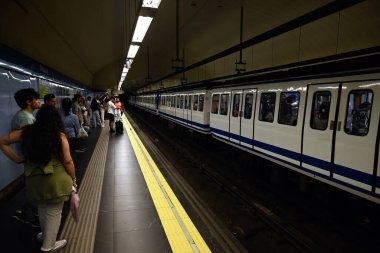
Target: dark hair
{"points": [[66, 106], [42, 140], [76, 97], [24, 95], [47, 97]]}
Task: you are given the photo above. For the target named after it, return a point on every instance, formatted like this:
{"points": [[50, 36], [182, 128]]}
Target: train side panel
{"points": [[356, 135], [318, 128], [200, 111], [278, 125], [219, 113]]}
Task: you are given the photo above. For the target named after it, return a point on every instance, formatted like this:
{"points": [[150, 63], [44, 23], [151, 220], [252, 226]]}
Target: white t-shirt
{"points": [[111, 107]]}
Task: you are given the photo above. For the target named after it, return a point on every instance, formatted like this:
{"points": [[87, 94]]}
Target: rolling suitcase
{"points": [[119, 127]]}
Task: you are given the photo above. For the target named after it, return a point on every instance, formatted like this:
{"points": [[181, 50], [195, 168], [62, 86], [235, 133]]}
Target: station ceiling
{"points": [[88, 40]]}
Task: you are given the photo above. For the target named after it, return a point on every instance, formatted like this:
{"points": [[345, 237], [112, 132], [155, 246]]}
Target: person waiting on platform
{"points": [[28, 100], [118, 110], [111, 113], [49, 170], [95, 108], [71, 125], [49, 99]]}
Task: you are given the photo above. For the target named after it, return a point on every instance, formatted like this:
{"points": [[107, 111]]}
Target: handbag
{"points": [[82, 133], [74, 206]]}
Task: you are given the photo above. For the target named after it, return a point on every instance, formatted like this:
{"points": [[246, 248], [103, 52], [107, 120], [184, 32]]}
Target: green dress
{"points": [[50, 184]]}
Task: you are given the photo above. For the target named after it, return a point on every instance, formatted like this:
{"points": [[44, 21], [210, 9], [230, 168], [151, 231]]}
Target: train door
{"points": [[173, 106], [185, 111], [241, 117], [182, 108], [235, 116], [356, 135], [248, 117], [318, 129], [189, 109], [176, 109]]}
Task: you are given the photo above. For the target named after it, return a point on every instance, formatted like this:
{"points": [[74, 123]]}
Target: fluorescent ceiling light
{"points": [[142, 26], [151, 3], [133, 51], [128, 63]]}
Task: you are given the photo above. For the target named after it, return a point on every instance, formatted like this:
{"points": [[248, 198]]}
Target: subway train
{"points": [[324, 127]]}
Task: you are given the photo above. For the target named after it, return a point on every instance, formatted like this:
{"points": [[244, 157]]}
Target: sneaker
{"points": [[35, 223], [21, 217], [58, 245], [39, 237]]}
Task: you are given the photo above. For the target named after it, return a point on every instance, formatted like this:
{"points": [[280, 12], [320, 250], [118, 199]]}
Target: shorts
{"points": [[111, 117]]}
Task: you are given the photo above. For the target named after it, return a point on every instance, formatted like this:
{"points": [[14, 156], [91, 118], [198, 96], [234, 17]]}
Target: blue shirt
{"points": [[71, 125]]}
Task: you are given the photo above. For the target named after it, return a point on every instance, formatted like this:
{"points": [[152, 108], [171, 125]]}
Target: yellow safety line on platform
{"points": [[182, 235]]}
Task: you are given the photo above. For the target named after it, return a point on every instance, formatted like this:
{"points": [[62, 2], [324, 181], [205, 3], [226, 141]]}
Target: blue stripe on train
{"points": [[324, 165], [203, 126]]}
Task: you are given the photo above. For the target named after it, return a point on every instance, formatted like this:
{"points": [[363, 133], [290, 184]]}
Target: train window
{"points": [[320, 110], [248, 105], [288, 110], [177, 101], [224, 104], [181, 102], [186, 101], [189, 104], [215, 103], [267, 105], [358, 112], [201, 102], [236, 105], [195, 105]]}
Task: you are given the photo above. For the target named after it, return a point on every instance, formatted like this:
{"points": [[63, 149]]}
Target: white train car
{"points": [[327, 128], [147, 102], [190, 109]]}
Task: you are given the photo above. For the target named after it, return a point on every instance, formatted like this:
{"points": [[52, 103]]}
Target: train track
{"points": [[284, 232]]}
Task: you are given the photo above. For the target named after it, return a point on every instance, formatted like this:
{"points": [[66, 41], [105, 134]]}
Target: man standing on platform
{"points": [[111, 113], [28, 101], [49, 99]]}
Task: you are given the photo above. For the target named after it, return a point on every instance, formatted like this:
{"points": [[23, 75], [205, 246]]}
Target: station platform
{"points": [[126, 203]]}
